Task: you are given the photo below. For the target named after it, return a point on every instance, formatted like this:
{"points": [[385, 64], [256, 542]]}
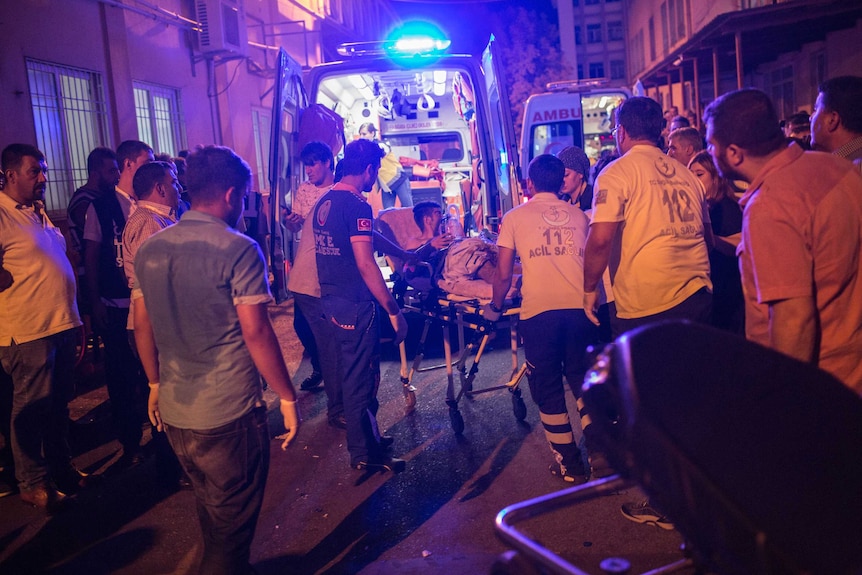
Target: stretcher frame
{"points": [[530, 557], [464, 313]]}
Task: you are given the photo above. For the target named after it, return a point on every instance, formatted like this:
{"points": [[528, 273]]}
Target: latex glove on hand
{"points": [[290, 413], [153, 407]]}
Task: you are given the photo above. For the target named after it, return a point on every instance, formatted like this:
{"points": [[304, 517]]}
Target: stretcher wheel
{"points": [[409, 397], [519, 408], [456, 419], [513, 563]]}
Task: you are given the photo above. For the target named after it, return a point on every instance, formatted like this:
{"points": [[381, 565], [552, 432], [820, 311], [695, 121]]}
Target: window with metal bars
{"points": [[71, 118], [159, 116]]}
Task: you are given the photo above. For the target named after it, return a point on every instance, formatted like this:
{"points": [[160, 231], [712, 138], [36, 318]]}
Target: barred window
{"points": [[159, 116], [71, 118]]}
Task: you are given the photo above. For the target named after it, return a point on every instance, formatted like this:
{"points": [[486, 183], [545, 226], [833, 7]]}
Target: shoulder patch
{"points": [[323, 212], [363, 224]]}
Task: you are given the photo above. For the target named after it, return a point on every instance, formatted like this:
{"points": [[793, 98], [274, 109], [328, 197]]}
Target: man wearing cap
{"points": [[576, 188]]}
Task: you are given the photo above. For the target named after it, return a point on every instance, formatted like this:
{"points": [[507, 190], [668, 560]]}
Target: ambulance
{"points": [[570, 113], [428, 107]]}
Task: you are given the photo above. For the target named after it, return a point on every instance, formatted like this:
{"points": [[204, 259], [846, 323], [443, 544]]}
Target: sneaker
{"points": [[642, 512], [567, 475], [312, 381], [381, 465]]}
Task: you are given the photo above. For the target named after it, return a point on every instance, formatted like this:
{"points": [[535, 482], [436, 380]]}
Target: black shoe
{"points": [[71, 480], [386, 441], [575, 477], [381, 465], [130, 459], [312, 381], [338, 421]]}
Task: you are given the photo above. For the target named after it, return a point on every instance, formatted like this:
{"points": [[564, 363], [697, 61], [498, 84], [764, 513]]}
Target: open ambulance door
{"points": [[503, 163], [285, 171]]}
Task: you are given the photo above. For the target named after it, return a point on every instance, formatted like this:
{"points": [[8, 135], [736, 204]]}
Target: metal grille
{"points": [[159, 117], [71, 119]]}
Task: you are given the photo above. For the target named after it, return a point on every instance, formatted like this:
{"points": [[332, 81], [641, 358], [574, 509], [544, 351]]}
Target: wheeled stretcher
{"points": [[446, 310], [465, 314]]}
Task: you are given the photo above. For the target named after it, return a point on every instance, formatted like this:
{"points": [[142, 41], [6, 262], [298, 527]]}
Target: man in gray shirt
{"points": [[203, 333]]}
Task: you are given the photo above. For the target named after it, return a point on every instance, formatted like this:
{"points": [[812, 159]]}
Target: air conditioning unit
{"points": [[223, 28]]}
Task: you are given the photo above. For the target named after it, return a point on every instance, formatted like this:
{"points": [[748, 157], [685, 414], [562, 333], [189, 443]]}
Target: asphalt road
{"points": [[319, 515]]}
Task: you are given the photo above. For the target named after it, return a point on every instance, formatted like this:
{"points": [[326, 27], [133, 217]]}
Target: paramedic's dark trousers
{"points": [[358, 333], [555, 345]]}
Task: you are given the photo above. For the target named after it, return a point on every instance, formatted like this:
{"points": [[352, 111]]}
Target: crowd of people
{"points": [[753, 234]]}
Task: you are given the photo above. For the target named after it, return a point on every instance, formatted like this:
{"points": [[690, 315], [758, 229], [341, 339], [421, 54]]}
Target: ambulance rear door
{"points": [[285, 170], [501, 154], [571, 114]]}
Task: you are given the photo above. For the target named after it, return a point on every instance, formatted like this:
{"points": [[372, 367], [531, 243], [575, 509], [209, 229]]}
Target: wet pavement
{"points": [[321, 516]]}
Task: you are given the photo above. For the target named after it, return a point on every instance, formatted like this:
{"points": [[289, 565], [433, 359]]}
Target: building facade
{"points": [[592, 38], [77, 74], [686, 53]]}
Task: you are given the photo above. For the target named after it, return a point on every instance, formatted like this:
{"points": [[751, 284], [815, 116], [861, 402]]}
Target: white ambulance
{"points": [[571, 113], [426, 105]]}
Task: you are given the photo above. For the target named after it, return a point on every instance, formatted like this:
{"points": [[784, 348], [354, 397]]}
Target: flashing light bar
{"points": [[406, 46], [576, 85]]}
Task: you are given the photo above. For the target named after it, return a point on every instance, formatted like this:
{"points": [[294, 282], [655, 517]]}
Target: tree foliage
{"points": [[530, 53]]}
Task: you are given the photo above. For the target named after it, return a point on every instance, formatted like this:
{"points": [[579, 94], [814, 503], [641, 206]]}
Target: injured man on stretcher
{"points": [[444, 258]]}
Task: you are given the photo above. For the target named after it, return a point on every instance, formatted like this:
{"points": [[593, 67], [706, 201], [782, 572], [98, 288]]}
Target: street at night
{"points": [[321, 516]]}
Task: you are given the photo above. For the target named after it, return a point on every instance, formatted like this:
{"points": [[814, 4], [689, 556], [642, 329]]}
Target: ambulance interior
{"points": [[423, 117]]}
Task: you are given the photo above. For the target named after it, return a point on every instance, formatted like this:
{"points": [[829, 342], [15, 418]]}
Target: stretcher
{"points": [[446, 310], [465, 314]]}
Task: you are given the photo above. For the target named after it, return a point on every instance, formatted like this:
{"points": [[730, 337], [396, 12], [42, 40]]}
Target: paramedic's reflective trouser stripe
{"points": [[558, 432]]}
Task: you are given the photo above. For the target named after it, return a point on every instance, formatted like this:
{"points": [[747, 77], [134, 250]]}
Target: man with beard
{"points": [[350, 282], [801, 249], [205, 339], [836, 124], [103, 175], [38, 318]]}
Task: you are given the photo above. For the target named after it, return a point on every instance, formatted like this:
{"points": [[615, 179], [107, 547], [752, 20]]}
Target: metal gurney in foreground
{"points": [[753, 455]]}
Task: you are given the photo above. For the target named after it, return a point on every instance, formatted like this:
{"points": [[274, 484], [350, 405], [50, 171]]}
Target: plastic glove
{"points": [[399, 324], [290, 413], [591, 306], [490, 314], [153, 407]]}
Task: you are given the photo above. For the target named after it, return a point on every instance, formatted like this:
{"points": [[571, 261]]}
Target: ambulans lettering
{"points": [[556, 115]]}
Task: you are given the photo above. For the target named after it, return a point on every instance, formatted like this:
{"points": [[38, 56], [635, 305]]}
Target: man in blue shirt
{"points": [[203, 333], [351, 285]]}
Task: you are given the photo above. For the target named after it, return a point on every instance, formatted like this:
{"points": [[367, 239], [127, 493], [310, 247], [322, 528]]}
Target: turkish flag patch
{"points": [[363, 224]]}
